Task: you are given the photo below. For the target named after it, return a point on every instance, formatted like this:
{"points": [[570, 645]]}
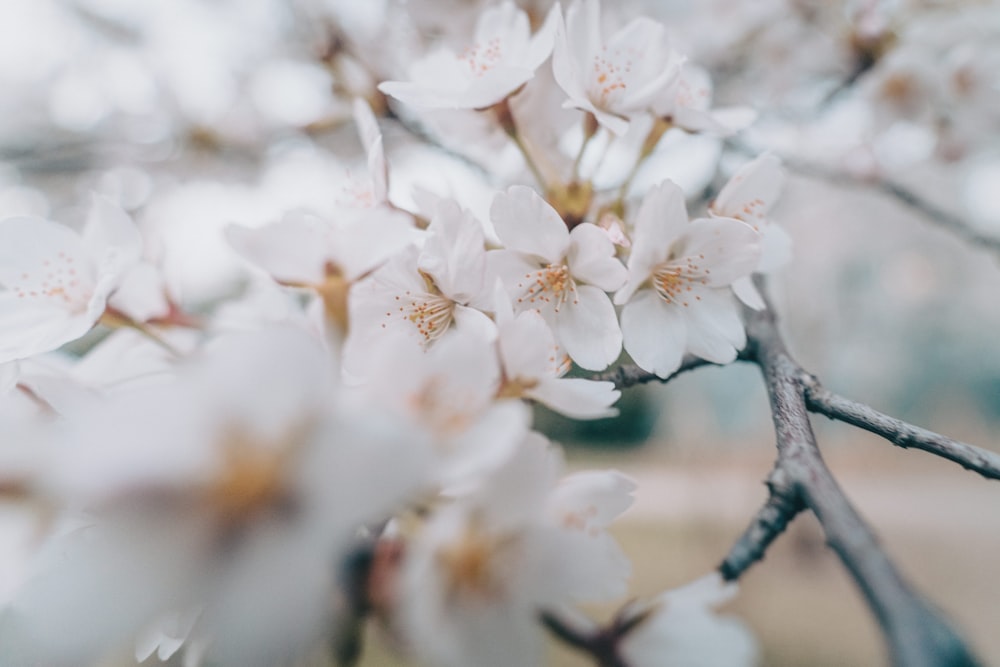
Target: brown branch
{"points": [[916, 633], [898, 432]]}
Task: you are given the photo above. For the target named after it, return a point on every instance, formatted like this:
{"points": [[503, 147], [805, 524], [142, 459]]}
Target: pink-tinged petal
{"points": [[655, 333], [454, 254], [110, 236], [34, 252], [775, 249], [528, 349], [752, 191], [719, 250], [661, 221], [577, 398], [715, 331], [292, 251], [746, 292], [592, 259], [527, 223], [587, 328]]}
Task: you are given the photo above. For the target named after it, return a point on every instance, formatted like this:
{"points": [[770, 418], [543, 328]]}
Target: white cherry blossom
{"points": [[560, 273], [678, 298], [615, 78], [421, 293], [447, 397], [502, 57], [533, 366], [749, 196], [57, 282], [681, 629], [233, 489], [483, 568], [687, 104]]}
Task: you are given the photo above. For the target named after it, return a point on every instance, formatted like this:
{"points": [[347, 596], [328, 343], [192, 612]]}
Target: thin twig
{"points": [[898, 432], [783, 505], [916, 633]]}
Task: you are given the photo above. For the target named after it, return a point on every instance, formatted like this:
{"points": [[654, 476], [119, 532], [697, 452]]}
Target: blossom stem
{"points": [[660, 127], [116, 319], [590, 127], [505, 118]]}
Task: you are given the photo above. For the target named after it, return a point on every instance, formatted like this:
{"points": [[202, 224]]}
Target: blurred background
{"points": [[193, 114]]}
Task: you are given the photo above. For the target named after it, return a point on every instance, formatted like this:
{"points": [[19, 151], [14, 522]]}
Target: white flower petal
{"points": [[655, 334], [141, 294], [28, 327], [721, 250], [592, 258], [746, 292], [454, 254], [474, 321], [292, 251], [527, 223], [578, 398], [110, 236], [661, 220], [715, 331], [587, 328], [683, 630], [775, 249], [34, 250], [527, 347], [752, 190]]}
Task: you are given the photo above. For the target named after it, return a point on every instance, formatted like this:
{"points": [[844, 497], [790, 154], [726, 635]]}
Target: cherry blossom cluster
{"points": [[351, 437]]}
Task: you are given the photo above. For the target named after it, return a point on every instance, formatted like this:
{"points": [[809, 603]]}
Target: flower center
{"points": [[253, 479], [609, 75], [481, 58], [468, 562], [58, 281], [440, 408], [551, 285], [673, 281], [431, 314]]}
